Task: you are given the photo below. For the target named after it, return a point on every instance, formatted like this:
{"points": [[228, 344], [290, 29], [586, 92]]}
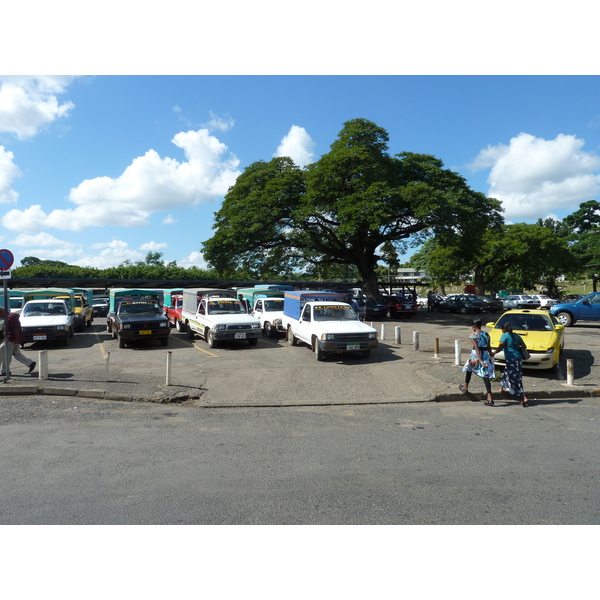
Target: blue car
{"points": [[586, 309]]}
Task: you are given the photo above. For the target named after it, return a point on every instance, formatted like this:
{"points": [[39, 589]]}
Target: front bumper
{"points": [[144, 334], [43, 334], [538, 360], [230, 336], [340, 347]]}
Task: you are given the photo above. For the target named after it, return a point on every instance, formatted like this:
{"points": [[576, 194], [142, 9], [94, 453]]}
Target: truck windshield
{"points": [[334, 313], [43, 308], [224, 307], [133, 308], [273, 305]]}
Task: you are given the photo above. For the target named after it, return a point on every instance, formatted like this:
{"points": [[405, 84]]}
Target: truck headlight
{"points": [[126, 326], [221, 327], [163, 324], [328, 336], [255, 325], [60, 328], [373, 336]]}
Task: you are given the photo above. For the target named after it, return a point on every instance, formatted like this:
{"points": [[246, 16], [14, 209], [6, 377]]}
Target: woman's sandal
{"points": [[489, 403], [524, 403], [463, 389]]}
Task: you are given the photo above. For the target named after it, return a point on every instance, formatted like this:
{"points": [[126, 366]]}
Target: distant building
{"points": [[408, 275]]}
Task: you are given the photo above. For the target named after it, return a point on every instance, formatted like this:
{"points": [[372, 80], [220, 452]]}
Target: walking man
{"points": [[14, 338]]}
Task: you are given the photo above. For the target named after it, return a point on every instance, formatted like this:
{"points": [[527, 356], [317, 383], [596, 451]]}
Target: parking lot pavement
{"points": [[275, 374]]}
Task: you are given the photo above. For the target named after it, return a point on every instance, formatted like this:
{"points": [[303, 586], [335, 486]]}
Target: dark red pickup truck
{"points": [[172, 307]]}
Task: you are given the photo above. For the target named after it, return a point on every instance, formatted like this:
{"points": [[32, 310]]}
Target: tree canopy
{"points": [[342, 209]]}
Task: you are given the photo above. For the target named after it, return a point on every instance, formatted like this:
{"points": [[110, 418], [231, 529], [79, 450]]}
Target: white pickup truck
{"points": [[327, 324], [47, 320], [216, 315], [269, 312]]}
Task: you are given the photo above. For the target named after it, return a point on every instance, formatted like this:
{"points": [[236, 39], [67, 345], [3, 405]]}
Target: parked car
{"points": [[494, 304], [545, 301], [542, 334], [422, 301], [523, 301], [586, 309], [100, 306], [462, 303], [399, 306], [370, 310], [573, 297]]}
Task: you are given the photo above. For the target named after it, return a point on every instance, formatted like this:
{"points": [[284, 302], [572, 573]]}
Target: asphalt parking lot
{"points": [[275, 374]]}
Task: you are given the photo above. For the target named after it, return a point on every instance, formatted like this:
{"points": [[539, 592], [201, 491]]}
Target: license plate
{"points": [[39, 338], [146, 332], [240, 336], [352, 346]]}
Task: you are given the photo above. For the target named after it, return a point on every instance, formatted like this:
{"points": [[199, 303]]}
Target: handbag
{"points": [[524, 352]]}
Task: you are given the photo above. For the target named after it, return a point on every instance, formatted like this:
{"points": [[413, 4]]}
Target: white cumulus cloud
{"points": [[29, 103], [534, 177], [111, 254], [8, 172], [150, 183], [195, 259], [153, 246], [298, 145]]}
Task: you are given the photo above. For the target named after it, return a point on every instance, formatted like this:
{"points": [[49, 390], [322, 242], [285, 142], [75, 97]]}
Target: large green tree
{"points": [[341, 209], [583, 235], [519, 255]]}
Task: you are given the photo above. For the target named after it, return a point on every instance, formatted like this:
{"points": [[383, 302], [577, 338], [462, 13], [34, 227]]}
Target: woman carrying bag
{"points": [[479, 361], [512, 379]]}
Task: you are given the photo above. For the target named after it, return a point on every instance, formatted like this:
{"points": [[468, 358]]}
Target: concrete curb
{"points": [[573, 393]]}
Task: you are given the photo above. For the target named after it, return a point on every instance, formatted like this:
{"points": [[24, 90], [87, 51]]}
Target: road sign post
{"points": [[6, 262]]}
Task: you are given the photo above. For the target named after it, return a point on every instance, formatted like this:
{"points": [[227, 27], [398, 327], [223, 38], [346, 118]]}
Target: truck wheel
{"points": [[291, 338], [269, 330], [190, 332], [89, 323], [72, 331], [253, 341], [178, 325], [317, 349], [121, 341], [565, 318], [209, 337]]}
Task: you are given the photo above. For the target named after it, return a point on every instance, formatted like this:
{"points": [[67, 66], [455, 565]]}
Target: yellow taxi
{"points": [[541, 332]]}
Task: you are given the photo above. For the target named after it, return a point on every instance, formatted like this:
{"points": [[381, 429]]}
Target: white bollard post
{"points": [[570, 371], [457, 360], [169, 356], [383, 331], [43, 364], [436, 348], [398, 335], [106, 367], [415, 340]]}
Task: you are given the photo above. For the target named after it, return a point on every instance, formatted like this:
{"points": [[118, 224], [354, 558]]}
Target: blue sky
{"points": [[95, 170], [102, 167]]}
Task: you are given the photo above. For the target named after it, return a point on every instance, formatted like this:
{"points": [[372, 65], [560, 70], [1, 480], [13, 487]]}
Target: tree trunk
{"points": [[478, 281]]}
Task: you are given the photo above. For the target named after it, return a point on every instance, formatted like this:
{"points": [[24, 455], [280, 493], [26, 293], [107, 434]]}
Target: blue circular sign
{"points": [[6, 259]]}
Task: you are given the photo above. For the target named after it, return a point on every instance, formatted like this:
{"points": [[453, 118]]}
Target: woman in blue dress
{"points": [[512, 379], [479, 361]]}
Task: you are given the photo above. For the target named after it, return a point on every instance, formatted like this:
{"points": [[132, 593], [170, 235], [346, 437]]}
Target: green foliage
{"points": [[341, 209], [36, 269], [583, 236], [513, 256]]}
